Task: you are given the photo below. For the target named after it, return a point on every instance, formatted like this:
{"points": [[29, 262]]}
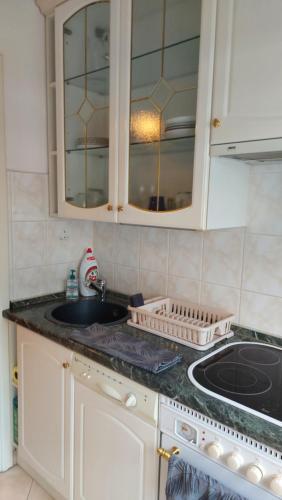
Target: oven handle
{"points": [[168, 454]]}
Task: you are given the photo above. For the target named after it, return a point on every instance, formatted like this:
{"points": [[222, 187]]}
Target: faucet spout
{"points": [[100, 286]]}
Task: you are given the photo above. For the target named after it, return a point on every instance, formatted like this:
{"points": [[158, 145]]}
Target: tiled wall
{"points": [[239, 269], [43, 249]]}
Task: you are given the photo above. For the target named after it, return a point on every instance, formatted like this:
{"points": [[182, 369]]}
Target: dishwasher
{"points": [[115, 435]]}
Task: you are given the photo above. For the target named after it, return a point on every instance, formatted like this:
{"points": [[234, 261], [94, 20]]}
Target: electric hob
{"points": [[245, 374]]}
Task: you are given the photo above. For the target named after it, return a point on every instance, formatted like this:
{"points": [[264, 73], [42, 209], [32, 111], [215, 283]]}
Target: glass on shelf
{"points": [[157, 189], [87, 178], [86, 75]]}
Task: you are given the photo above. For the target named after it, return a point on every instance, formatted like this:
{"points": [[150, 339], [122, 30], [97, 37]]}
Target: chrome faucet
{"points": [[100, 286]]}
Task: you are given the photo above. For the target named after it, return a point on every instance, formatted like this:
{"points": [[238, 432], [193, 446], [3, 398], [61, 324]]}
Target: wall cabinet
{"points": [[132, 89], [44, 411], [247, 98]]}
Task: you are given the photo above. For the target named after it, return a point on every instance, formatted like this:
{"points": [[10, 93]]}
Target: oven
{"points": [[242, 464]]}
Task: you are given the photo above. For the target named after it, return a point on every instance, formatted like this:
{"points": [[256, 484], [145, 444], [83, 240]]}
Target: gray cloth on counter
{"points": [[185, 482], [126, 347]]}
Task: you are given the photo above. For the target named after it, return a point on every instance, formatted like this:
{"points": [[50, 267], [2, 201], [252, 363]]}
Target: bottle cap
{"points": [[72, 274]]}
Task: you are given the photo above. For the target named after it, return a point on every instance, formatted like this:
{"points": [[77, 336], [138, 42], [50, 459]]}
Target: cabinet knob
{"points": [[110, 208], [120, 208], [66, 364], [216, 123]]}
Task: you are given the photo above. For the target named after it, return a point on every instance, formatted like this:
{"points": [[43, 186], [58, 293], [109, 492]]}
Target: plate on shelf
{"points": [[177, 133]]}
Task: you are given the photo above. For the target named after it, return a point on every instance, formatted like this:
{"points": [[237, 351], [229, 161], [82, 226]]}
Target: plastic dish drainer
{"points": [[190, 324]]}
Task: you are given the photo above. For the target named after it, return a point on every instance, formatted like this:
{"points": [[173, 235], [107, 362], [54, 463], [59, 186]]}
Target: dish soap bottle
{"points": [[88, 273], [72, 286]]}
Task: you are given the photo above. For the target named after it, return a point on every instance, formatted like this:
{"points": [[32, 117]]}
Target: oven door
{"points": [[230, 479]]}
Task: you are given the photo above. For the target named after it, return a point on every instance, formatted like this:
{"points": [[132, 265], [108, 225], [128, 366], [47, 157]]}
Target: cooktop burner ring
{"points": [[243, 379], [256, 355]]}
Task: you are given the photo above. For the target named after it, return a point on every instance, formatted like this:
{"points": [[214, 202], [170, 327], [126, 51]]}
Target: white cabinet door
{"points": [[247, 97], [44, 410], [115, 451], [86, 47], [165, 78]]}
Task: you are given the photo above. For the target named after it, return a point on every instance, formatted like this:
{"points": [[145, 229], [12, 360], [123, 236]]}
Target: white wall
{"points": [[40, 252], [239, 269]]}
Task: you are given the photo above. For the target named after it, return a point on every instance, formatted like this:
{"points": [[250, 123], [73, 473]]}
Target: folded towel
{"points": [[124, 346], [186, 482]]}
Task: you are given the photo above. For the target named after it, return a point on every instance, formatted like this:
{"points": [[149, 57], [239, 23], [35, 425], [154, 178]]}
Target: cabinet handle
{"points": [[120, 208], [216, 123], [110, 208], [65, 364], [168, 454]]}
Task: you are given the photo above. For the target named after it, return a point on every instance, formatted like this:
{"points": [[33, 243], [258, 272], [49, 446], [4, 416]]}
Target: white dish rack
{"points": [[190, 324]]}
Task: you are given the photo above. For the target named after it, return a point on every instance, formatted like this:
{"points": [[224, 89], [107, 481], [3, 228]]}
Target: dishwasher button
{"points": [[131, 400]]}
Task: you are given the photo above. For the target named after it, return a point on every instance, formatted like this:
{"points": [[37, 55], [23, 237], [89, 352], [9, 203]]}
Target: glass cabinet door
{"points": [[165, 41], [86, 74]]}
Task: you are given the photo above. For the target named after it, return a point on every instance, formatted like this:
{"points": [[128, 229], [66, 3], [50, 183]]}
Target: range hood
{"points": [[250, 151]]}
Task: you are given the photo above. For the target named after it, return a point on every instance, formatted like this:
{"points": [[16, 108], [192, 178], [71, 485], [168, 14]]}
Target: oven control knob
{"points": [[276, 484], [215, 449], [254, 473], [234, 460], [130, 401]]}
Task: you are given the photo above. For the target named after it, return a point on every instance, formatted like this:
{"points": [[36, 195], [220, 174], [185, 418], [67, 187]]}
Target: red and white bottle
{"points": [[88, 273]]}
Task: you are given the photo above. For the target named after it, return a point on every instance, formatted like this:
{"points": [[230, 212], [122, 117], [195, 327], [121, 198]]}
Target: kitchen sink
{"points": [[85, 312]]}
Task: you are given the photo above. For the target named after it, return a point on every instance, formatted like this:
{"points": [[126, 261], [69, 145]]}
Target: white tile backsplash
{"points": [[221, 296], [239, 269], [184, 288], [42, 249], [263, 264], [128, 237], [29, 196], [152, 284], [126, 279], [185, 253], [154, 249], [223, 257], [265, 206], [261, 312], [29, 244]]}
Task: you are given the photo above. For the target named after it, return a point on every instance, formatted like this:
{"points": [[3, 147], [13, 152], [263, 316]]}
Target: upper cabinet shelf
{"points": [[161, 49]]}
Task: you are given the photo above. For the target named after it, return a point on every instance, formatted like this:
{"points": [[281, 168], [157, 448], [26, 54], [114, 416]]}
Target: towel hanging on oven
{"points": [[185, 482]]}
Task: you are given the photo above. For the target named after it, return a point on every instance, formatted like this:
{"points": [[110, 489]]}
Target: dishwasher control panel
{"points": [[118, 389]]}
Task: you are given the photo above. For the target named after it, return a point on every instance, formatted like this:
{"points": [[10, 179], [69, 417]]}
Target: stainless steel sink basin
{"points": [[83, 313]]}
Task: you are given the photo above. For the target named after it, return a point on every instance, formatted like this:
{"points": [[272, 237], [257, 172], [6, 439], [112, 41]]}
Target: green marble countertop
{"points": [[173, 383]]}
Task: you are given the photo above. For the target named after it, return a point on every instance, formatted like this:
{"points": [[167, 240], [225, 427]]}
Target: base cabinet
{"points": [[76, 443], [44, 411], [114, 451]]}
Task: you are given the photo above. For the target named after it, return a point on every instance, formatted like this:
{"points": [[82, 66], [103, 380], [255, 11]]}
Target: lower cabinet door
{"points": [[44, 411], [114, 451]]}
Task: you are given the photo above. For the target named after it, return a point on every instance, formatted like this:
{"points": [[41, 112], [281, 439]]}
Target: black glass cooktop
{"points": [[247, 373]]}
